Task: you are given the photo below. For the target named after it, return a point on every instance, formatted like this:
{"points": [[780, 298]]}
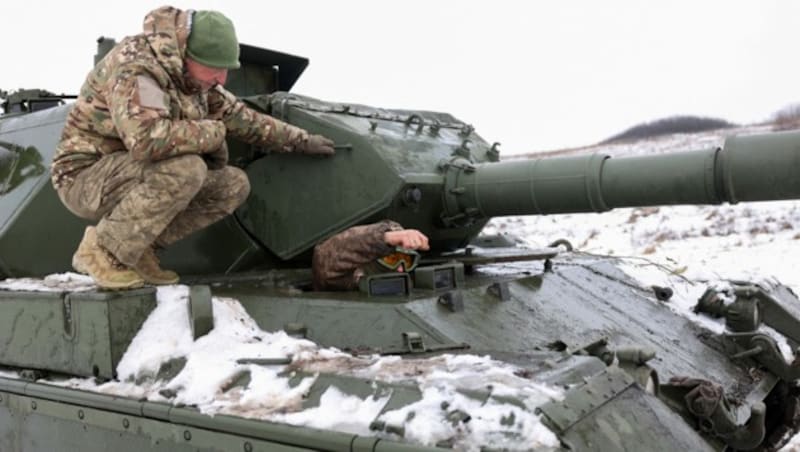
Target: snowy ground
{"points": [[685, 248]]}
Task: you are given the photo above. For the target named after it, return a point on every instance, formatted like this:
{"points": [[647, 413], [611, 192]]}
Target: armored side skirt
{"points": [[41, 418]]}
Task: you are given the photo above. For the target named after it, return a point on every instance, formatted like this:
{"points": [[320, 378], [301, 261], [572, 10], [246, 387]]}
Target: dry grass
{"points": [[787, 118]]}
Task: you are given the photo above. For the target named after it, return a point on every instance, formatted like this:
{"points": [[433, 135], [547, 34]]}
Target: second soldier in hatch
{"points": [[341, 261], [143, 151]]}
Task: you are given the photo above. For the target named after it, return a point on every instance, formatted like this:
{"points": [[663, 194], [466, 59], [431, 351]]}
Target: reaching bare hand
{"points": [[407, 238]]}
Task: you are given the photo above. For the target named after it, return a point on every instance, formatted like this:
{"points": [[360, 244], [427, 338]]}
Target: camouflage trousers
{"points": [[138, 204]]}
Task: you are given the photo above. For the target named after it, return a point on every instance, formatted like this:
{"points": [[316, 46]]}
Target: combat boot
{"points": [[150, 270], [102, 266]]}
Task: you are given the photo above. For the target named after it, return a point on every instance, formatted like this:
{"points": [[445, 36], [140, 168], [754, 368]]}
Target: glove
{"points": [[316, 144], [218, 159]]}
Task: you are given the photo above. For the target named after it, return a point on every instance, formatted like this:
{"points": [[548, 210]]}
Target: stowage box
{"points": [[77, 333]]}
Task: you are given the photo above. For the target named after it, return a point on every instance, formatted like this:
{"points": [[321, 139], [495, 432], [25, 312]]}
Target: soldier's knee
{"points": [[188, 171]]}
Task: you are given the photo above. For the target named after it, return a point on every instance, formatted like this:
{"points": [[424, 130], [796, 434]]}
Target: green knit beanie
{"points": [[212, 40]]}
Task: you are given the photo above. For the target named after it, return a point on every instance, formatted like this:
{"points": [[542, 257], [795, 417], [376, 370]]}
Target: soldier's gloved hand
{"points": [[316, 144], [217, 159]]}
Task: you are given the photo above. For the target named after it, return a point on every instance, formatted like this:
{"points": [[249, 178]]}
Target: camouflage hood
{"points": [[167, 31]]}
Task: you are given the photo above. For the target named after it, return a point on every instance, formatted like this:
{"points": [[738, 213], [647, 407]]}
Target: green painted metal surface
{"points": [[608, 414], [339, 323], [75, 421], [30, 208], [78, 333]]}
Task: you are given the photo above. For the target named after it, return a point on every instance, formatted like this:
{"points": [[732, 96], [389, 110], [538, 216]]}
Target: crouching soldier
{"points": [[143, 151]]}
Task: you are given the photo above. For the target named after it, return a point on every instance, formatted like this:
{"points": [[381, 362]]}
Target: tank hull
{"points": [[558, 319]]}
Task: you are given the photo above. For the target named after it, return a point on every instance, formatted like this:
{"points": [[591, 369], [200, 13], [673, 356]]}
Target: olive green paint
{"points": [[78, 333], [79, 421]]}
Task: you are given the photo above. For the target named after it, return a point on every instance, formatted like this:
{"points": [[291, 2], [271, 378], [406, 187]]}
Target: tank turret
{"points": [[431, 172]]}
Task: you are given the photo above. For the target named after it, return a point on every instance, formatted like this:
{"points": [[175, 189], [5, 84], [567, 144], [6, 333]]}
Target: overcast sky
{"points": [[532, 75]]}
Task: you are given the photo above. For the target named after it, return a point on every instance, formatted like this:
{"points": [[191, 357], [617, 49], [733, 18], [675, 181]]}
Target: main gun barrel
{"points": [[747, 168]]}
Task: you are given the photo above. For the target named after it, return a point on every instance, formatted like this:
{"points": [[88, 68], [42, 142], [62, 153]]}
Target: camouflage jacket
{"points": [[138, 99], [340, 261]]}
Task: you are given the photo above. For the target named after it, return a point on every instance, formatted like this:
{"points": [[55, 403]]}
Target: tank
{"points": [[630, 372]]}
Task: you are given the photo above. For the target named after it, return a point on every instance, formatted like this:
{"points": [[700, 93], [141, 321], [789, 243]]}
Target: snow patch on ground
{"points": [[708, 243]]}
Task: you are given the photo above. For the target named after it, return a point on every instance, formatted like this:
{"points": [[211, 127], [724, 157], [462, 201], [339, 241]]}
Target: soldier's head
{"points": [[211, 50]]}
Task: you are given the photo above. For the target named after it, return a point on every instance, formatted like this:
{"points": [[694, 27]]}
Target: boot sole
{"points": [[157, 282]]}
